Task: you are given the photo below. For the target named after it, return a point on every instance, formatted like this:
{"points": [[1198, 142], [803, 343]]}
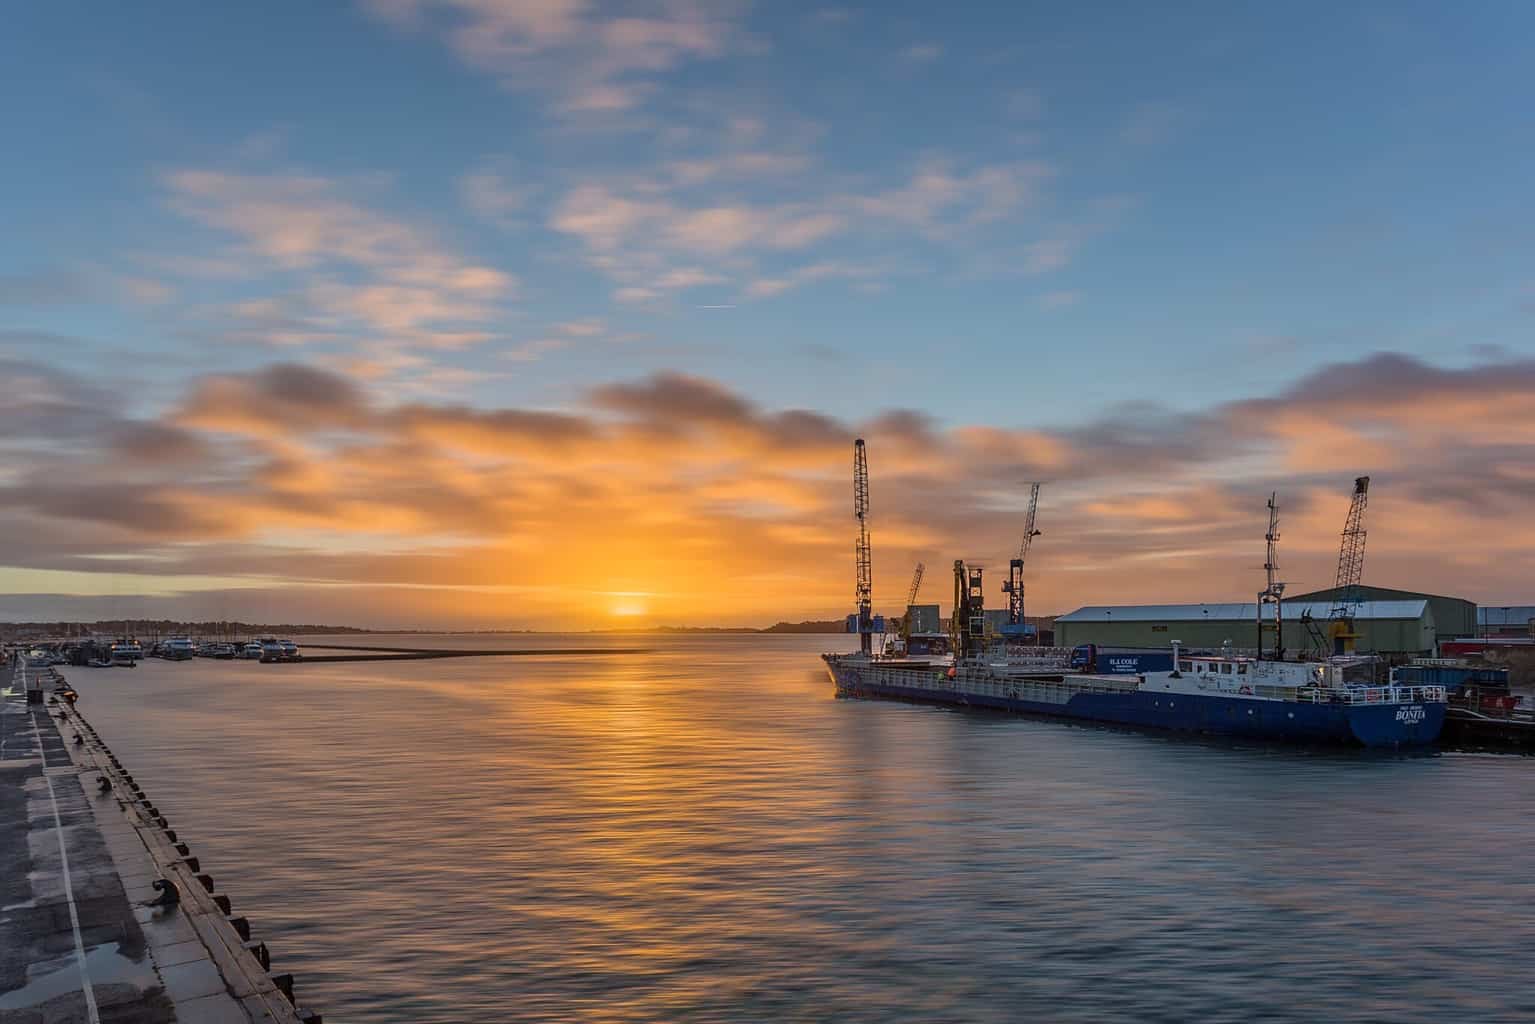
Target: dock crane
{"points": [[1013, 588], [1346, 599], [911, 599], [862, 552], [1350, 572], [967, 621]]}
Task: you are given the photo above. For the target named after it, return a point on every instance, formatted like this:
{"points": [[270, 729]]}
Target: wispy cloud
{"points": [[765, 287], [361, 270], [495, 197], [590, 60], [922, 53], [649, 235]]}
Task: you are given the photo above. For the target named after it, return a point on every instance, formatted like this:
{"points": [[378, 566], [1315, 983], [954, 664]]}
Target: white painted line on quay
{"points": [[69, 889]]}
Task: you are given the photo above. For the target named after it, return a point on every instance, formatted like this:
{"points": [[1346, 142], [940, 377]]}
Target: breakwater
{"points": [[359, 653]]}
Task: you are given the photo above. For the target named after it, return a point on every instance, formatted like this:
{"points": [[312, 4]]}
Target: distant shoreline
{"points": [[163, 627]]}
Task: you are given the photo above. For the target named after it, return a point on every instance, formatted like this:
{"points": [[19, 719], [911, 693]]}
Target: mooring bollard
{"points": [[169, 894], [261, 953], [222, 902], [241, 925]]}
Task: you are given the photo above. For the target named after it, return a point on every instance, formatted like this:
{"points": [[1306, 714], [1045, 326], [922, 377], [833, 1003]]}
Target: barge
{"points": [[1329, 702]]}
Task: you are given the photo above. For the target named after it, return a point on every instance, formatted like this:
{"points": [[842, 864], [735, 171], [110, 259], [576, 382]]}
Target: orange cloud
{"points": [[722, 510]]}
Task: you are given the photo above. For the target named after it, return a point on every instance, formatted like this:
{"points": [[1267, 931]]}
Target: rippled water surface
{"points": [[706, 834]]}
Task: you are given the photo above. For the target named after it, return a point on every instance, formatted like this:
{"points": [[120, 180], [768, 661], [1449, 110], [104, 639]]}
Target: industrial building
{"points": [[1453, 616], [1505, 620], [1406, 626]]}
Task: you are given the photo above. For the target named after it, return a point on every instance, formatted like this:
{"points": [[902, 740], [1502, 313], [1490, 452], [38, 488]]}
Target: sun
{"points": [[628, 608]]}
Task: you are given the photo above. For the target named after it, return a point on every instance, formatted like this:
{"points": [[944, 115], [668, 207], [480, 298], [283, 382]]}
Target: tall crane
{"points": [[862, 553], [911, 599], [1346, 595], [1013, 588], [967, 620], [1340, 620]]}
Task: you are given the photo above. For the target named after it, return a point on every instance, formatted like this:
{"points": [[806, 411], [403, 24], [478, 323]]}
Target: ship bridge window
{"points": [[1185, 666], [1226, 669], [1242, 669]]}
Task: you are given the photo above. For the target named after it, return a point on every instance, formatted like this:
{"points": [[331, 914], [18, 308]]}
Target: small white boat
{"points": [[127, 649], [177, 648]]}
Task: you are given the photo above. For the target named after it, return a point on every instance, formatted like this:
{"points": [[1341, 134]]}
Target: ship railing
{"points": [[1374, 695]]}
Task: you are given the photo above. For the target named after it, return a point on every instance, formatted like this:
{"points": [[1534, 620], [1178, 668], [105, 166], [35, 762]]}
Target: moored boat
{"points": [[127, 649], [177, 648], [1334, 701]]}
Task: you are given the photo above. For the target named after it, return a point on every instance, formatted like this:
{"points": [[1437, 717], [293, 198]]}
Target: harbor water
{"points": [[705, 833]]}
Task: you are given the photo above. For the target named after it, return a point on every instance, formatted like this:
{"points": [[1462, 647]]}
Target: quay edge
{"points": [[79, 937]]}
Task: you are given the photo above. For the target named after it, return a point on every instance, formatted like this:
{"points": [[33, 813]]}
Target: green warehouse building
{"points": [[1388, 621]]}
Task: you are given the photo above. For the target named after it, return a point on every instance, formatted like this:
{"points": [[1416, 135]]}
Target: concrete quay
{"points": [[84, 855]]}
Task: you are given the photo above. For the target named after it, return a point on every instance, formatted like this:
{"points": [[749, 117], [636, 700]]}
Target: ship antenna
{"points": [[1273, 593]]}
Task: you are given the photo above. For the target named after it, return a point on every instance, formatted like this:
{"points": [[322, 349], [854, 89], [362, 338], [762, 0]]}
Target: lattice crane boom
{"points": [[916, 584], [1013, 588], [862, 553], [1351, 554], [1340, 620]]}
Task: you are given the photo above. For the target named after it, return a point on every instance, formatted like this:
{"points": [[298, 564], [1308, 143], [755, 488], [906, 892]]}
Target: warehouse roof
{"points": [[1236, 612]]}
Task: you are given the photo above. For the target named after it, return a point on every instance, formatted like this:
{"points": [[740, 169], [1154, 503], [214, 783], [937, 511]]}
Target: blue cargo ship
{"points": [[1328, 702]]}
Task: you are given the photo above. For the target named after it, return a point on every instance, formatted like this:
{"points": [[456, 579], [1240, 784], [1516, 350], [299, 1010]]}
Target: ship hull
{"points": [[1395, 725]]}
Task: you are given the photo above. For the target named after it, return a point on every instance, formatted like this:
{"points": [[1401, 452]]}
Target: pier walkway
{"points": [[81, 849]]}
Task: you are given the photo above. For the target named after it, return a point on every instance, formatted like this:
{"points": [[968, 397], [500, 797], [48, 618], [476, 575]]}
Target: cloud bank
{"points": [[298, 480]]}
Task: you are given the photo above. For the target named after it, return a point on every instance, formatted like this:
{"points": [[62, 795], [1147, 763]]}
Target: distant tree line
{"points": [[163, 627]]}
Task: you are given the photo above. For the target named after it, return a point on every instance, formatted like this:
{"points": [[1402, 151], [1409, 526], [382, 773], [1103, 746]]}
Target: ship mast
{"points": [[1273, 594]]}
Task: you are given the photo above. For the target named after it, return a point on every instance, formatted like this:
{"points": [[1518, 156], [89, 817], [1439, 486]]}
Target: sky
{"points": [[564, 314]]}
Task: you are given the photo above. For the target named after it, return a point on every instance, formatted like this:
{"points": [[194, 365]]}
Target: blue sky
{"points": [[1012, 215], [1212, 186]]}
